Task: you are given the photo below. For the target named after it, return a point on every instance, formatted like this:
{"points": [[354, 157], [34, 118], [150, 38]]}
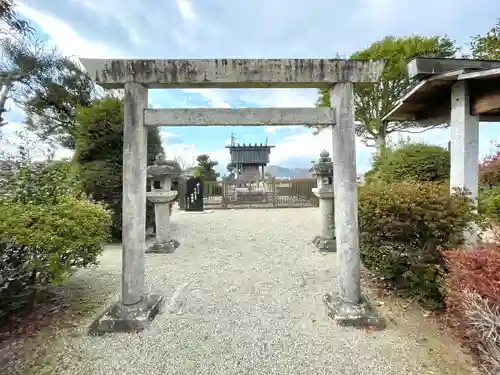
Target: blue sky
{"points": [[251, 29]]}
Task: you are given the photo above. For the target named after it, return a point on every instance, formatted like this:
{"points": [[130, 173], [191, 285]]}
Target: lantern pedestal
{"points": [[164, 243], [162, 196], [326, 239], [323, 170]]}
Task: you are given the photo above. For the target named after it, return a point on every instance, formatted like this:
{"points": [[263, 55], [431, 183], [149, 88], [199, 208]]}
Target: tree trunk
{"points": [[380, 143], [4, 94]]}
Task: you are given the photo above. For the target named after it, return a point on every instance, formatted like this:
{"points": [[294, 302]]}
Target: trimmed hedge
{"points": [[63, 236], [414, 161], [47, 230], [404, 226]]}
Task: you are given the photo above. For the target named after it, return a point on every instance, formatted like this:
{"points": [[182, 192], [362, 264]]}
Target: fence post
{"points": [[181, 188], [224, 192], [275, 200]]}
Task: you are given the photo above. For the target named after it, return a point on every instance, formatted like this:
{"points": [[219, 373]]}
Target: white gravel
{"points": [[243, 296]]}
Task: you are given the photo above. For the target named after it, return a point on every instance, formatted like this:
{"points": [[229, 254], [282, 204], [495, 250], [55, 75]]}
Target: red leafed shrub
{"points": [[477, 271], [489, 169], [473, 301]]}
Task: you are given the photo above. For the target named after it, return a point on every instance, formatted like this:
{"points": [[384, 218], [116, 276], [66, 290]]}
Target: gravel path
{"points": [[243, 296]]}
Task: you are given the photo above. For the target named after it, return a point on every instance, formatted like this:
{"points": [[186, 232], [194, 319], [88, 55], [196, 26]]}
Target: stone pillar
{"points": [[161, 195], [323, 170], [134, 193], [347, 306], [464, 134], [136, 308], [345, 193]]}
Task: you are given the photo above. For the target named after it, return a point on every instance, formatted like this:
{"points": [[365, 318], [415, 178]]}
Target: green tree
{"points": [[49, 87], [99, 153], [231, 169], [23, 54], [205, 168], [52, 97], [11, 22], [29, 71], [374, 101], [487, 47]]}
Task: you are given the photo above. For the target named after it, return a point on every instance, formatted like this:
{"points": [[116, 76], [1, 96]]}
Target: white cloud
{"points": [[307, 146], [186, 10], [274, 129], [166, 135], [182, 40], [15, 135], [187, 154], [216, 98], [280, 97], [64, 37]]}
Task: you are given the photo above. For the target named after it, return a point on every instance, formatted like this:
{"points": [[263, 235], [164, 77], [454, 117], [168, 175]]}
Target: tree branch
{"points": [[442, 126]]}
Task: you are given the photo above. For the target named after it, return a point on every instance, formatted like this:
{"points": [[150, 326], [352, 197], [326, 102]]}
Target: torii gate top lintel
{"points": [[231, 73]]}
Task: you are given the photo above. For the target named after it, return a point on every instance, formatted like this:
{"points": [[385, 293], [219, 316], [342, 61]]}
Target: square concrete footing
{"points": [[325, 244], [166, 247], [120, 318], [361, 315]]}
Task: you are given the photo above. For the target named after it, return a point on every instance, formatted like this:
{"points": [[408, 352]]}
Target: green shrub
{"points": [[43, 183], [489, 203], [63, 236], [414, 161], [404, 227], [373, 175], [47, 229], [16, 278], [99, 153], [45, 243]]}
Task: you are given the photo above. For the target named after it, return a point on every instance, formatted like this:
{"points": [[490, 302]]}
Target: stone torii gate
{"points": [[136, 307]]}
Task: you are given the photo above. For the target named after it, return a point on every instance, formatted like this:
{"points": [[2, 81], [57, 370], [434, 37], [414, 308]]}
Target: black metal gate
{"points": [[194, 194]]}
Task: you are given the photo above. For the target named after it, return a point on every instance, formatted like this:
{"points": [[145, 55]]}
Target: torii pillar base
{"points": [[166, 247], [359, 315], [120, 318]]}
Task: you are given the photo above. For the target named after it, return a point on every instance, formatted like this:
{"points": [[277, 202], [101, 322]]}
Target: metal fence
{"points": [[263, 194]]}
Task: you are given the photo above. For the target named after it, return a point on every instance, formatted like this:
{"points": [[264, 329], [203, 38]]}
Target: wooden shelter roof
{"points": [[429, 103]]}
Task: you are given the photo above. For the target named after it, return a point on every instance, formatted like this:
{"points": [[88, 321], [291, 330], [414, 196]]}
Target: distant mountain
{"points": [[277, 171]]}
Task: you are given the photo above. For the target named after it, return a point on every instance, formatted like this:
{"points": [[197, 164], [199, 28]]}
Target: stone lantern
{"points": [[323, 170], [162, 196]]}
